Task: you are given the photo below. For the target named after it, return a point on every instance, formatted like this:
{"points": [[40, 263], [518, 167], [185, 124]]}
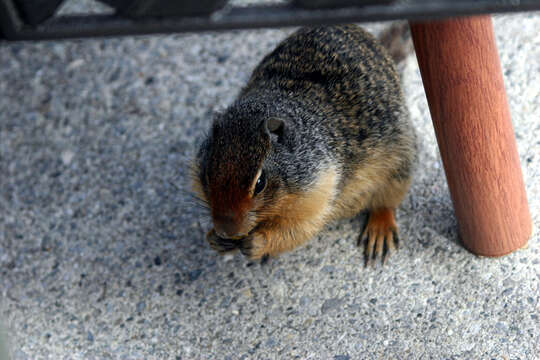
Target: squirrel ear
{"points": [[275, 126]]}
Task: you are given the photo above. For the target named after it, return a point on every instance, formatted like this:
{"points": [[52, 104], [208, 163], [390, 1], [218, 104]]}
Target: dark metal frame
{"points": [[12, 27]]}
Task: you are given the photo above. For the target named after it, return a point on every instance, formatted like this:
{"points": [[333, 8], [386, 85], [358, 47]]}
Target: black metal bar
{"points": [[34, 12], [259, 17], [10, 24]]}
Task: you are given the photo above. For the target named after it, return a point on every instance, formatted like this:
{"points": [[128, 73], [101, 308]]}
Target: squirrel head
{"points": [[237, 176]]}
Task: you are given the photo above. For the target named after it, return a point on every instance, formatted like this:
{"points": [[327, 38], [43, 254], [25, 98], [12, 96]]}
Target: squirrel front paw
{"points": [[222, 245], [254, 246]]}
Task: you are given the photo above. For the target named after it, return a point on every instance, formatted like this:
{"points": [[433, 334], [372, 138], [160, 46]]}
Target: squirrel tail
{"points": [[397, 40]]}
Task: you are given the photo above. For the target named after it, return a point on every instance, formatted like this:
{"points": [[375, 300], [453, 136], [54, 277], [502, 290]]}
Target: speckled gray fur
{"points": [[338, 93]]}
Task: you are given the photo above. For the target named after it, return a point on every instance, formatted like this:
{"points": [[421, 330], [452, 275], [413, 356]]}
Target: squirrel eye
{"points": [[260, 184]]}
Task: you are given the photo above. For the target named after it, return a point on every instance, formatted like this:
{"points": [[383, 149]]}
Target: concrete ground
{"points": [[102, 251]]}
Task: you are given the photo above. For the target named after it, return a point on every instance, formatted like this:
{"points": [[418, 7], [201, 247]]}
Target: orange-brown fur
{"points": [[299, 217], [296, 217], [371, 185]]}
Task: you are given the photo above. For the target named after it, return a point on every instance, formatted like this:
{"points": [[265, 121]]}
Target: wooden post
{"points": [[464, 87]]}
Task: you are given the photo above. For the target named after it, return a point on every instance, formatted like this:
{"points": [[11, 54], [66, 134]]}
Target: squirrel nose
{"points": [[227, 227]]}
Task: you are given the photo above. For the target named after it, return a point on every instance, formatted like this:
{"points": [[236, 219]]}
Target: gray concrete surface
{"points": [[102, 252]]}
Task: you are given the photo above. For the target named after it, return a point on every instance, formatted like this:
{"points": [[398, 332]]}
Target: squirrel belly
{"points": [[320, 132]]}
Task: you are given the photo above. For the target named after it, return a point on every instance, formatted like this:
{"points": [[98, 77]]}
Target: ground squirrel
{"points": [[320, 132]]}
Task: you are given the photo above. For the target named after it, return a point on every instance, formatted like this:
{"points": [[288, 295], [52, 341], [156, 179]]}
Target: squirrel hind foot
{"points": [[379, 236]]}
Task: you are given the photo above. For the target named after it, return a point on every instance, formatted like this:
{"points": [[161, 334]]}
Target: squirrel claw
{"points": [[379, 236], [265, 259]]}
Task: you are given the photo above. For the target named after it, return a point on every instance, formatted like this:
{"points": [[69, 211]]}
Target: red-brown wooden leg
{"points": [[464, 87]]}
